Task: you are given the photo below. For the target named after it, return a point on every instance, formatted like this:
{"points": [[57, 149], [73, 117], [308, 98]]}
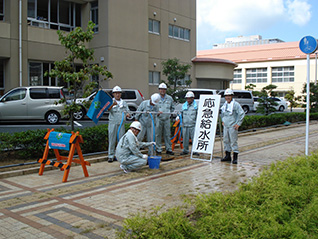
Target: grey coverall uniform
{"points": [[128, 153], [115, 117], [230, 135], [189, 117], [165, 105], [146, 122]]}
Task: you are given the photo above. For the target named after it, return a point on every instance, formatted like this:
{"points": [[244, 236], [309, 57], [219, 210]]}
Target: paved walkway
{"points": [[33, 206]]}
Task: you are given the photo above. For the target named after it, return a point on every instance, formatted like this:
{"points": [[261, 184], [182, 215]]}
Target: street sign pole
{"points": [[308, 45]]}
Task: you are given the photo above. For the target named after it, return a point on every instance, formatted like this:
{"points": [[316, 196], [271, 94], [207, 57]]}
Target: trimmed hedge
{"points": [[281, 203], [31, 143]]}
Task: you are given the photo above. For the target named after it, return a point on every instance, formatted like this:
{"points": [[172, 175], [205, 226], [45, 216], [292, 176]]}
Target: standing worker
{"points": [[232, 116], [165, 107], [116, 116], [145, 119], [128, 149], [189, 116]]}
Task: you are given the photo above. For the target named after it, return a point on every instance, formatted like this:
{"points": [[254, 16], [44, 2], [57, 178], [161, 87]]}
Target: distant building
{"points": [[281, 64], [245, 41]]}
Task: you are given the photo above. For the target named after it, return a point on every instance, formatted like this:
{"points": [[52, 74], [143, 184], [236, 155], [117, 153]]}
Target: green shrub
{"points": [[281, 203]]}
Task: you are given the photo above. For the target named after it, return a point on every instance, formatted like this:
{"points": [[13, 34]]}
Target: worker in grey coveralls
{"points": [[145, 118], [232, 116], [115, 117], [128, 149], [189, 115], [165, 105]]}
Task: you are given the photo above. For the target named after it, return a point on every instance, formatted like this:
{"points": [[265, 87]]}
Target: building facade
{"points": [[131, 38], [280, 64]]}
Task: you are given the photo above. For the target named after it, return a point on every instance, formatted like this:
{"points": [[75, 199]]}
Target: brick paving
{"points": [[33, 206]]}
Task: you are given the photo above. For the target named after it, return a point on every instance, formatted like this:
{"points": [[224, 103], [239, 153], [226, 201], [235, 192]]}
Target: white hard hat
{"points": [[228, 92], [189, 94], [155, 98], [117, 89], [136, 125], [162, 86]]}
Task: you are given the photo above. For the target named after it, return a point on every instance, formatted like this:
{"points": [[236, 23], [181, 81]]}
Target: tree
{"points": [[78, 55], [313, 98], [290, 97], [266, 103], [251, 88], [176, 72]]}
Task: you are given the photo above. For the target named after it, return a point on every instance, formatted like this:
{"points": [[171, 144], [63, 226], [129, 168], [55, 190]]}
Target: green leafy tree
{"points": [[313, 91], [176, 72], [292, 99], [251, 88], [75, 43], [266, 103]]}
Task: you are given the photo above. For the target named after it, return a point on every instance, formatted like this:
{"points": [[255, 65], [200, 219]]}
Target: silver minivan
{"points": [[32, 102], [243, 97]]}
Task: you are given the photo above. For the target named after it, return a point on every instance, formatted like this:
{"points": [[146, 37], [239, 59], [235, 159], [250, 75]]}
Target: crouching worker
{"points": [[232, 116], [128, 149]]}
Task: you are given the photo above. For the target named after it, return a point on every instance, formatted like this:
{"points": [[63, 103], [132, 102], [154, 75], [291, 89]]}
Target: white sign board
{"points": [[205, 127]]}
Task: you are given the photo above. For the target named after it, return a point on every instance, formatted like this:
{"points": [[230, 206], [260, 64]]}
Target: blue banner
{"points": [[58, 140], [100, 104]]}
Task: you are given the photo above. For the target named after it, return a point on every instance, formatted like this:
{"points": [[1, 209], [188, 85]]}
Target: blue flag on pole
{"points": [[101, 103]]}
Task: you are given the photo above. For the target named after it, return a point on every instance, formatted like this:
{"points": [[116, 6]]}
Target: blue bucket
{"points": [[154, 162]]}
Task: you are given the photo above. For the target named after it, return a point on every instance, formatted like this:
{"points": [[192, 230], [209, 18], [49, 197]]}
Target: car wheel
{"points": [[79, 114], [281, 108], [246, 109], [52, 117]]}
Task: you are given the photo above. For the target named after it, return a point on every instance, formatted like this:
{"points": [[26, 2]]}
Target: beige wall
{"points": [[122, 43]]}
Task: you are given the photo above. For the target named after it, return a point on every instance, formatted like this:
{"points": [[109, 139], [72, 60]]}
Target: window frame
{"points": [[281, 77], [94, 9], [256, 75], [2, 14], [151, 24], [175, 33], [152, 74], [238, 79]]}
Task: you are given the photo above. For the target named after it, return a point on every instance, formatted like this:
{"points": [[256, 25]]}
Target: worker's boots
{"points": [[227, 157], [234, 158]]}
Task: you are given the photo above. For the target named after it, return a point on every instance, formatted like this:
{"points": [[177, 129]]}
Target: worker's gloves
{"points": [[153, 143], [145, 156], [177, 118]]}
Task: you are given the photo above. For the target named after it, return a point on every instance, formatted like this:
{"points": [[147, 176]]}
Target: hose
{"points": [[121, 124]]}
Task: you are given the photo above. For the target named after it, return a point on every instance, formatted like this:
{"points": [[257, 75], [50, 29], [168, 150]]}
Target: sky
{"points": [[288, 20]]}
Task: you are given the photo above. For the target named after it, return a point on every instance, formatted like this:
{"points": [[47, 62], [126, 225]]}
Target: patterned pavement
{"points": [[33, 206]]}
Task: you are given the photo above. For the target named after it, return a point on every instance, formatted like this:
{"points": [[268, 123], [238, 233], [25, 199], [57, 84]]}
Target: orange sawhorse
{"points": [[75, 140], [177, 139]]}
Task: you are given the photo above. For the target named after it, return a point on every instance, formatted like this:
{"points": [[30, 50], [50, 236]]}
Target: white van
{"points": [[197, 92], [32, 102], [243, 97]]}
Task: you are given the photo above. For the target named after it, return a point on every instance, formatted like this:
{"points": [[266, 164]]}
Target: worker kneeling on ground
{"points": [[232, 116], [128, 149]]}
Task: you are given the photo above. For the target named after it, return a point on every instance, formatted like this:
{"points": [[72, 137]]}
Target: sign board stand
{"points": [[206, 124], [74, 139]]}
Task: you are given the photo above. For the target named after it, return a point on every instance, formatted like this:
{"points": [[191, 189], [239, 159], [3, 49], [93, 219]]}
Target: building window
{"points": [[54, 14], [154, 77], [183, 82], [283, 74], [179, 33], [153, 26], [94, 15], [256, 75], [36, 74], [237, 77], [1, 10]]}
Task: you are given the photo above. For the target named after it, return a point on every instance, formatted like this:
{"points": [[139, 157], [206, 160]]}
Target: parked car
{"points": [[243, 97], [33, 102], [197, 92], [281, 104], [133, 98]]}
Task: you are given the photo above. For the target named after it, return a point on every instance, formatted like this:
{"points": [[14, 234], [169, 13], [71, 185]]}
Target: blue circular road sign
{"points": [[308, 44]]}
